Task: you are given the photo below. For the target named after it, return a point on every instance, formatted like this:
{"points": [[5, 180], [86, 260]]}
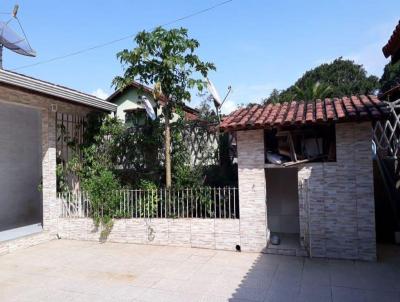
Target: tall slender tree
{"points": [[168, 60]]}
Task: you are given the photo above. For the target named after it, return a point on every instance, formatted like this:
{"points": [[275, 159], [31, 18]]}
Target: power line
{"points": [[78, 52]]}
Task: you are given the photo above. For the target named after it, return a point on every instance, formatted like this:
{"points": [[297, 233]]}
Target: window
{"points": [[307, 144], [136, 118]]}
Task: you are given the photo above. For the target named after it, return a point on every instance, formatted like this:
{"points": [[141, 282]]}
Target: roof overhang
{"points": [[69, 95], [392, 47], [301, 113]]}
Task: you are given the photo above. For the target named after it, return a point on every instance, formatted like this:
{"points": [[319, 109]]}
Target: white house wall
{"points": [[336, 199], [130, 100], [337, 211]]}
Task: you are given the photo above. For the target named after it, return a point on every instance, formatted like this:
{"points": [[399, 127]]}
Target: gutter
{"points": [[26, 82]]}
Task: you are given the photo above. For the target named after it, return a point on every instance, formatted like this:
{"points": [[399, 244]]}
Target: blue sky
{"points": [[256, 45]]}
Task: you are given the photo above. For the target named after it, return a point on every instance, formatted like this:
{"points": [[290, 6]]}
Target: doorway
{"points": [[20, 171], [283, 207]]}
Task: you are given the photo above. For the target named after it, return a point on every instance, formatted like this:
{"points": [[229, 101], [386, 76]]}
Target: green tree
{"points": [[343, 77], [167, 59], [390, 77], [312, 91]]}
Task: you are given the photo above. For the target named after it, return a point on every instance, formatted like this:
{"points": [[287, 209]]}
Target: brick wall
{"points": [[337, 216], [251, 175], [220, 234], [50, 205], [336, 200]]}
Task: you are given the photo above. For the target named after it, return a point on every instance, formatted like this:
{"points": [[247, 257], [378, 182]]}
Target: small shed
{"points": [[306, 178], [29, 113]]}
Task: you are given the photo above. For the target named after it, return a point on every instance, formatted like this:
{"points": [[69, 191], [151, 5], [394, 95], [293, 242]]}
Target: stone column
{"points": [[252, 190], [364, 192], [50, 204]]}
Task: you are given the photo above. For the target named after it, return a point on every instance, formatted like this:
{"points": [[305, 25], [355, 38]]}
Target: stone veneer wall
{"points": [[252, 190], [220, 234], [51, 207], [337, 211]]}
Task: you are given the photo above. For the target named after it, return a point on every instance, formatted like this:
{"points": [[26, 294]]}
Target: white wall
{"points": [[220, 234]]}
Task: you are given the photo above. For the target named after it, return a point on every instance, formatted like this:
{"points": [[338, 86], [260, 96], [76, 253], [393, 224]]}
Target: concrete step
{"points": [[299, 252]]}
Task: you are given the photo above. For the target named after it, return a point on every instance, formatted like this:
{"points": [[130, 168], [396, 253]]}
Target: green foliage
{"points": [[183, 174], [138, 151], [61, 174], [312, 91], [343, 77], [94, 166], [166, 57], [101, 188], [390, 77], [148, 201]]}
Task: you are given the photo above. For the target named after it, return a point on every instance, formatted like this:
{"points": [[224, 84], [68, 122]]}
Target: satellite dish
{"points": [[13, 41], [211, 88], [149, 108], [217, 99]]}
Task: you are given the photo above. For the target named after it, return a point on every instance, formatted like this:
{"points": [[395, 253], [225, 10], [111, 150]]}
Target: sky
{"points": [[256, 45]]}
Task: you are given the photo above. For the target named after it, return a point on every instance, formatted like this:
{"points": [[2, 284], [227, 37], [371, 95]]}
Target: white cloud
{"points": [[371, 57], [100, 93], [369, 54], [244, 94], [228, 107]]}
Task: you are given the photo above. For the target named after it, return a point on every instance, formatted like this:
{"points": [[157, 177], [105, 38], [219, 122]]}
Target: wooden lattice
{"points": [[202, 143], [387, 132]]}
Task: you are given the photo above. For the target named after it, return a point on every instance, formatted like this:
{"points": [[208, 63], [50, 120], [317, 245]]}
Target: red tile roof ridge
{"points": [[352, 108]]}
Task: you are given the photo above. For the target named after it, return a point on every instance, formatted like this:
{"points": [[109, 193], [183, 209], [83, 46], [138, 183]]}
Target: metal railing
{"points": [[203, 202]]}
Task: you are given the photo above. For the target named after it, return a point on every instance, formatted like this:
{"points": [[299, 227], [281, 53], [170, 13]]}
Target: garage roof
{"points": [[68, 94], [354, 108]]}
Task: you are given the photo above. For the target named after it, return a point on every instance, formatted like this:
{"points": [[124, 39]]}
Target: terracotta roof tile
{"points": [[319, 111], [393, 44], [264, 115], [282, 114], [291, 113], [274, 113], [310, 112], [330, 111], [300, 112], [354, 108]]}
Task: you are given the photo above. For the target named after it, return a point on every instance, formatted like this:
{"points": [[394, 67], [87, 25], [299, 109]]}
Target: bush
{"points": [[148, 202], [101, 190]]}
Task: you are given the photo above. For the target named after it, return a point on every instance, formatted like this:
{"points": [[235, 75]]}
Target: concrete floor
{"points": [[87, 271]]}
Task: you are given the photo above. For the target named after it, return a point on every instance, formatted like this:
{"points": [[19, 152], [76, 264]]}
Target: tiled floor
{"points": [[86, 271]]}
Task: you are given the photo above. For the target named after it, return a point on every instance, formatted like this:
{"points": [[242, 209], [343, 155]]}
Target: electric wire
{"points": [[78, 52]]}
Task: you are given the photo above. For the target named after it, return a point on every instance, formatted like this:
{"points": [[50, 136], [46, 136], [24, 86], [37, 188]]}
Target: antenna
{"points": [[11, 40], [215, 95]]}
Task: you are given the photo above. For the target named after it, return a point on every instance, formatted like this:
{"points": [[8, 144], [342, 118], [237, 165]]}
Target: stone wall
{"points": [[252, 190], [337, 216], [220, 234], [51, 206]]}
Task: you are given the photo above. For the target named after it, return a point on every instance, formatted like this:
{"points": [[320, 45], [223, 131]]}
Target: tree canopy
{"points": [[336, 79], [166, 59], [390, 77]]}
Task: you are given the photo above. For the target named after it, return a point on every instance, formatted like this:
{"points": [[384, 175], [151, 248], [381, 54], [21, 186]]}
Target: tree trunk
{"points": [[167, 149]]}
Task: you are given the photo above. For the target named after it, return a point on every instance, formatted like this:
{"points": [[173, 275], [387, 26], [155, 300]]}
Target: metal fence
{"points": [[204, 202]]}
